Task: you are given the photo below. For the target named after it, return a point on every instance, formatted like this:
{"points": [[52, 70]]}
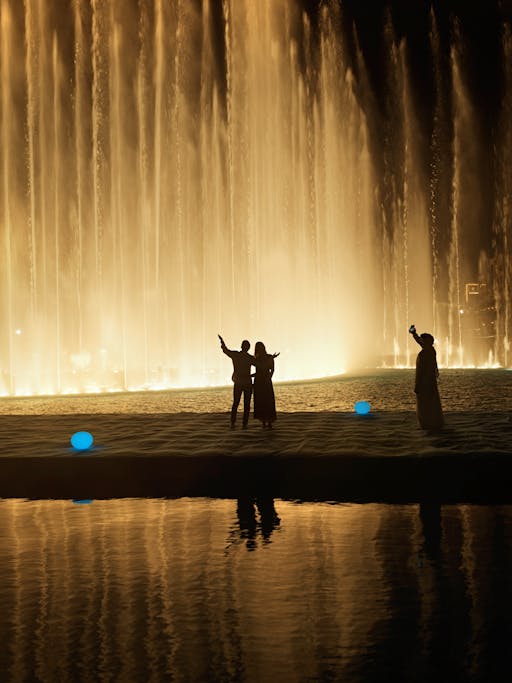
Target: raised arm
{"points": [[224, 348], [417, 339], [416, 336]]}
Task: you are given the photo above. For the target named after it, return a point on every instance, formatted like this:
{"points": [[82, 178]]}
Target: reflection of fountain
{"points": [[169, 170]]}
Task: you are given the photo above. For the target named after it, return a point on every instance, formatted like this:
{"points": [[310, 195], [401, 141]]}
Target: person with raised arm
{"points": [[242, 381], [428, 402]]}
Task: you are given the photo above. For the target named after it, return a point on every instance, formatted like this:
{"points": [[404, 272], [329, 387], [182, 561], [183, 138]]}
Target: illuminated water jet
{"points": [[172, 169]]}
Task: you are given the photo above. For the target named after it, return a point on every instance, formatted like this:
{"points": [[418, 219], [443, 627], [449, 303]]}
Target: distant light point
{"points": [[362, 407]]}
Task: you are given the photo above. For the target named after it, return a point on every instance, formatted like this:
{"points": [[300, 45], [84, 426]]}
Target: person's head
{"points": [[259, 349], [428, 339], [246, 345]]}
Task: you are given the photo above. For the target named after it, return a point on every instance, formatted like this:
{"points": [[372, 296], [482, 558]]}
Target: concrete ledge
{"points": [[315, 455], [448, 478]]}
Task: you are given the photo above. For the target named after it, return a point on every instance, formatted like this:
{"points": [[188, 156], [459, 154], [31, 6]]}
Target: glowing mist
{"points": [[171, 170]]}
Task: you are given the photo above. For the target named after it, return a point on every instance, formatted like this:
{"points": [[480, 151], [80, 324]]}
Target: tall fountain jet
{"points": [[502, 227], [171, 169]]}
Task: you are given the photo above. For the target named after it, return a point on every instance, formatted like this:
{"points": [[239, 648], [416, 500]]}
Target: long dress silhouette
{"points": [[264, 399], [428, 402]]}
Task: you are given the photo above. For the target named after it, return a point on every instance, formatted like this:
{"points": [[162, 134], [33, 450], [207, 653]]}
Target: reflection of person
{"points": [[246, 513], [242, 382], [264, 399], [430, 413], [430, 516]]}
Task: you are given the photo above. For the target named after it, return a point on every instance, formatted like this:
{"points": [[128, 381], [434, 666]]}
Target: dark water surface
{"points": [[220, 590]]}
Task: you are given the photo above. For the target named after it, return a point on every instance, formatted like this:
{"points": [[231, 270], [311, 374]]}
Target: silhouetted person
{"points": [[242, 382], [428, 402], [264, 400]]}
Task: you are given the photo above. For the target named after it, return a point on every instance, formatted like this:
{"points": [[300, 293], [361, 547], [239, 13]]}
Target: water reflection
{"points": [[430, 517], [246, 509], [147, 590]]}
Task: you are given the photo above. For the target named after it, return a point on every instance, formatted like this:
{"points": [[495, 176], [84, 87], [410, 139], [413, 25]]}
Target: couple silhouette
{"points": [[264, 400]]}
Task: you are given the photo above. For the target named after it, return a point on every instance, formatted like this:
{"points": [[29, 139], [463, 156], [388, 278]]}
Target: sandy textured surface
{"points": [[303, 433], [387, 390], [180, 443], [315, 418]]}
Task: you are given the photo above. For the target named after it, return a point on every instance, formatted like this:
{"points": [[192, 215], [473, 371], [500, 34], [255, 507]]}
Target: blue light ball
{"points": [[82, 501], [82, 441], [362, 407]]}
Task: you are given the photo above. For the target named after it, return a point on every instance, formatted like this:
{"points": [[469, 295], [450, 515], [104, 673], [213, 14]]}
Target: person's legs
{"points": [[247, 403], [237, 393]]}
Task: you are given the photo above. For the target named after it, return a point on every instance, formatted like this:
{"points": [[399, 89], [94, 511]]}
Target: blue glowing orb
{"points": [[362, 407], [82, 501], [82, 441]]}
